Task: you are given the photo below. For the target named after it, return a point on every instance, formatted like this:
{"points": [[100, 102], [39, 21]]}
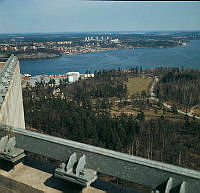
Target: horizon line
{"points": [[112, 31]]}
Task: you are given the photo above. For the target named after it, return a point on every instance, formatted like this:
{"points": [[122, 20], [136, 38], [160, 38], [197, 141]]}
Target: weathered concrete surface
{"points": [[11, 111], [27, 179], [1, 65], [9, 184]]}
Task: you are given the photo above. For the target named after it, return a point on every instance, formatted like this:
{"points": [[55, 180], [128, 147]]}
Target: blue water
{"points": [[187, 56]]}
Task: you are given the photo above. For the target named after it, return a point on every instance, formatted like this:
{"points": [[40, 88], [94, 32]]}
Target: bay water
{"points": [[183, 56]]}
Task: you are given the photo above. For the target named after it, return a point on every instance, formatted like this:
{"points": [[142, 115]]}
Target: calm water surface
{"points": [[187, 56]]}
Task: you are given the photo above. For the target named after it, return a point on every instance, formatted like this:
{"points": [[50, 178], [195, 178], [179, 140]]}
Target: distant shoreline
{"points": [[49, 56]]}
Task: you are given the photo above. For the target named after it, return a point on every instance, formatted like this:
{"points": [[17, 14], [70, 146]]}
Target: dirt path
{"points": [[153, 97]]}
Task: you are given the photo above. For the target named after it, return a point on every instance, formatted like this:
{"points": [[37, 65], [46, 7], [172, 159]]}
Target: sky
{"points": [[31, 16]]}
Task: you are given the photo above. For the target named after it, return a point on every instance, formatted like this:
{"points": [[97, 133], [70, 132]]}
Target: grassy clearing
{"points": [[149, 113], [196, 111], [138, 84]]}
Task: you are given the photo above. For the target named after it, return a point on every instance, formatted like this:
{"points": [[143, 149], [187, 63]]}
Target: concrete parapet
{"points": [[11, 103]]}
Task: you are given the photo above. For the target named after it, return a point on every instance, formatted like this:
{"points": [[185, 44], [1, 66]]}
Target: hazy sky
{"points": [[18, 16]]}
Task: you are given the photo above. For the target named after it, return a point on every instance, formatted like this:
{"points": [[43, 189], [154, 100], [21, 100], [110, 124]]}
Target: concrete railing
{"points": [[159, 176]]}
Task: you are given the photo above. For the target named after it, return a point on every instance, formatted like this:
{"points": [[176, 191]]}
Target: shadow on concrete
{"points": [[110, 187], [52, 182], [6, 166], [63, 186], [40, 165]]}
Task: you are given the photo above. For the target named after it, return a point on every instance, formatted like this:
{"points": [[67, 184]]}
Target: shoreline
{"points": [[49, 56]]}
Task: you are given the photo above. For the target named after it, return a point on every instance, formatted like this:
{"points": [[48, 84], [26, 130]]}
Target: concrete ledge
{"points": [[33, 176], [12, 186]]}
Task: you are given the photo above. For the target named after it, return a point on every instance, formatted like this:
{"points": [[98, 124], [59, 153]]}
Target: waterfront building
{"points": [[73, 76]]}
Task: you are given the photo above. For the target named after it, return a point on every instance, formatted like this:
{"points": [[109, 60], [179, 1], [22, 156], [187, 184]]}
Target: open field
{"points": [[196, 111], [138, 84], [150, 113]]}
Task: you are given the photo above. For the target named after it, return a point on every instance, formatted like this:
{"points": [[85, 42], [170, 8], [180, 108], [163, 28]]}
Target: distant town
{"points": [[47, 46]]}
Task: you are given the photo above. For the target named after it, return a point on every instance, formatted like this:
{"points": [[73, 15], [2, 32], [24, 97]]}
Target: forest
{"points": [[81, 112], [181, 86]]}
